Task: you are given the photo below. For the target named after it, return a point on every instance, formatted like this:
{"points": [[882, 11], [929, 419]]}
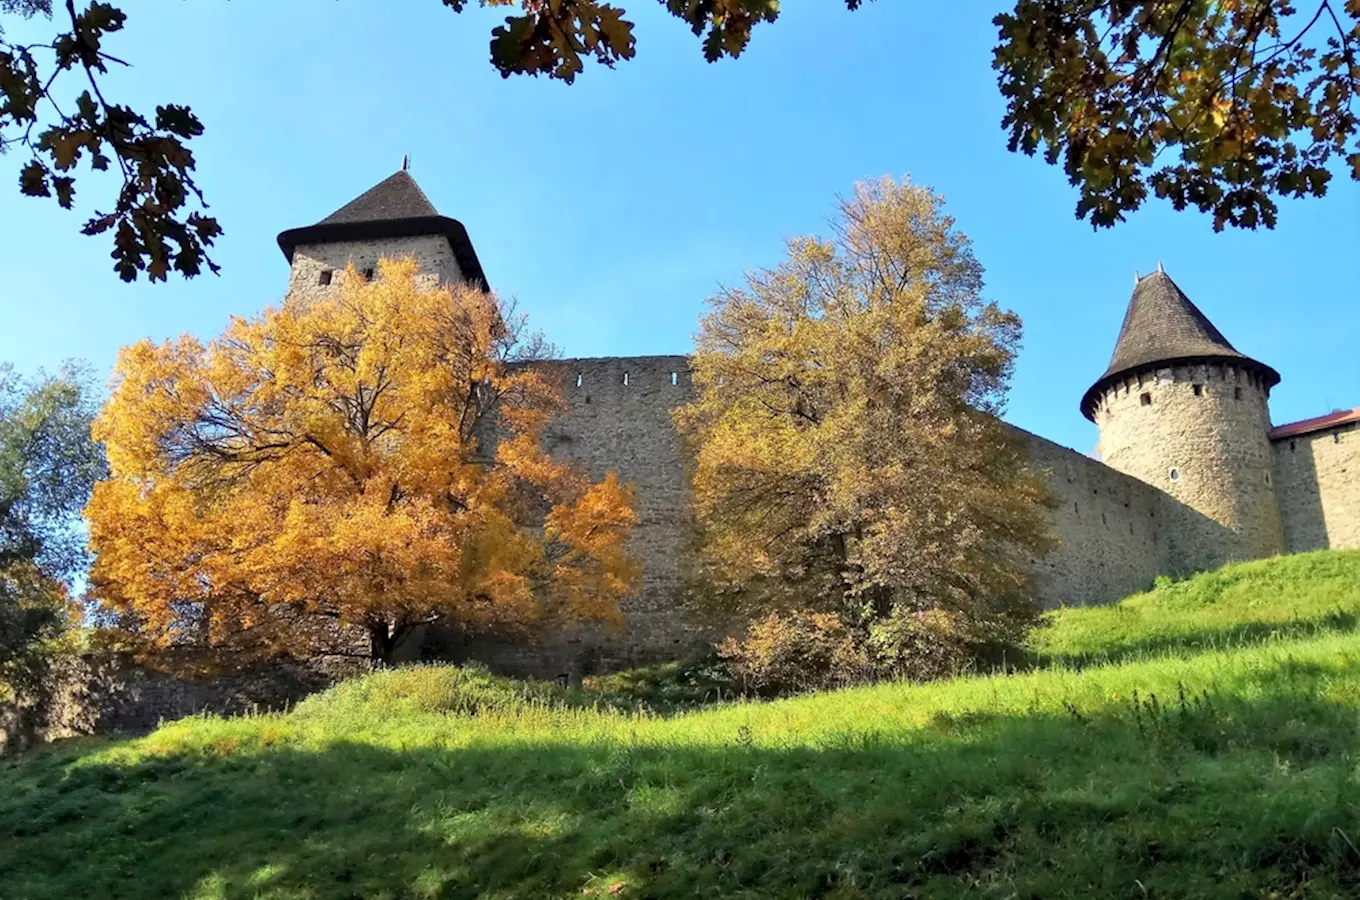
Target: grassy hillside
{"points": [[1198, 741]]}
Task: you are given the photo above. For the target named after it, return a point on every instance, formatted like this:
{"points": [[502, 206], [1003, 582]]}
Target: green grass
{"points": [[1199, 742]]}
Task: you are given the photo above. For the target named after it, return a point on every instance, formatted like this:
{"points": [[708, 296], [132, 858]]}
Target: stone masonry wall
{"points": [[1198, 432], [1317, 478], [1110, 528], [617, 418], [93, 694], [310, 260]]}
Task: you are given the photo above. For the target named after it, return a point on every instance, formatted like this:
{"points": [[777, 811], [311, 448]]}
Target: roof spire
{"points": [[406, 162], [1159, 267]]}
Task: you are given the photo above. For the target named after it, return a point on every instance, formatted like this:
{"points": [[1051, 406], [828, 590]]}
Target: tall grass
{"points": [[1209, 758]]}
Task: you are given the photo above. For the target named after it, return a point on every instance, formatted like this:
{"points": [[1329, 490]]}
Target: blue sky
{"points": [[613, 207]]}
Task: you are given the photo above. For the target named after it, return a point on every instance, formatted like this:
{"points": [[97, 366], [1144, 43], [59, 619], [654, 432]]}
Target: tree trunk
{"points": [[382, 643]]}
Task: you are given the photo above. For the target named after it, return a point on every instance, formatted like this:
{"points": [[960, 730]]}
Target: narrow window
{"points": [[1237, 393], [1076, 509], [675, 378], [1175, 474], [1267, 479], [325, 277], [368, 274], [1199, 390], [1145, 399], [579, 379], [625, 377], [1293, 445]]}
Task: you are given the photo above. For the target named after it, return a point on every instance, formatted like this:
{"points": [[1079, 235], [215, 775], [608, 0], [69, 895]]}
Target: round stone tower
{"points": [[1182, 410]]}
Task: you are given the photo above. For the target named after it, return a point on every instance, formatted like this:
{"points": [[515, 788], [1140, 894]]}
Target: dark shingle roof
{"points": [[394, 208], [1163, 326], [397, 197]]}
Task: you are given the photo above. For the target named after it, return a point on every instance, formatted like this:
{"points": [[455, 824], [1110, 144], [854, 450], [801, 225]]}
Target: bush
{"points": [[800, 650], [666, 687], [917, 645], [797, 651]]}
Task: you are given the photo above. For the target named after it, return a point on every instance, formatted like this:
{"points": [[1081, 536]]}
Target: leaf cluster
{"points": [[1224, 105], [368, 460], [156, 219]]}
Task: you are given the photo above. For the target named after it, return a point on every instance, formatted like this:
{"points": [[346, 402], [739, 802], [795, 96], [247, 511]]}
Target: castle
{"points": [[1193, 473]]}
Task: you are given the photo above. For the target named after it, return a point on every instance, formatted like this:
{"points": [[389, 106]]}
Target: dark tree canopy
{"points": [[1225, 105]]}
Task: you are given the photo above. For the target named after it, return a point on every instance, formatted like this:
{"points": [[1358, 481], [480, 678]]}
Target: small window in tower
{"points": [[675, 378], [325, 277], [1199, 390], [1145, 399], [1293, 445], [368, 274], [1174, 474], [1237, 393], [1267, 479], [625, 378], [579, 378]]}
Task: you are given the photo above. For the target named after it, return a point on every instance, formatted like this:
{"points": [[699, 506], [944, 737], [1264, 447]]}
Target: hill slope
{"points": [[1198, 741]]}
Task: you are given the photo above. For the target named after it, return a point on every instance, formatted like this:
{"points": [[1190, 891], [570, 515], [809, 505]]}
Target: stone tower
{"points": [[393, 218], [1182, 410]]}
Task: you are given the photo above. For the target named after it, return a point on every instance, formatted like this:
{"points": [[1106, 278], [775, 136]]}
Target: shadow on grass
{"points": [[1186, 796], [1227, 637]]}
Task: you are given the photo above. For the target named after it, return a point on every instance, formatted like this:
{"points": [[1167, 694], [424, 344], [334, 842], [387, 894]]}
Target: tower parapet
{"points": [[1182, 410]]}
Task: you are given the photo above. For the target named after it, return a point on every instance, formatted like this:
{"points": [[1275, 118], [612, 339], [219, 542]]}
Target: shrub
{"points": [[917, 645], [797, 651], [800, 650]]}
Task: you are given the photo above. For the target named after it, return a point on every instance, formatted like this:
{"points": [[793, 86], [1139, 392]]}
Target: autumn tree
{"points": [[370, 459], [48, 463], [849, 458], [1224, 105]]}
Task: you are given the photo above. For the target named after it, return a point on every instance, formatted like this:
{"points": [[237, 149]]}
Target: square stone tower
{"points": [[393, 218]]}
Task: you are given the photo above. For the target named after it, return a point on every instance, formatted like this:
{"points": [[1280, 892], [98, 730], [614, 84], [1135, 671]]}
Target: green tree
{"points": [[1220, 104], [48, 464], [849, 458]]}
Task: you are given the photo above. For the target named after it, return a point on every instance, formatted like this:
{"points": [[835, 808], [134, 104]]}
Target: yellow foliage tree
{"points": [[849, 454], [371, 458]]}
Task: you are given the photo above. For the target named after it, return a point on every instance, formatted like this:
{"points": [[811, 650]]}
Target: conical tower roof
{"points": [[1162, 326], [396, 197], [395, 207]]}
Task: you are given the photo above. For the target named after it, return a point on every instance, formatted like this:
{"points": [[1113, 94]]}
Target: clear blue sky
{"points": [[613, 207]]}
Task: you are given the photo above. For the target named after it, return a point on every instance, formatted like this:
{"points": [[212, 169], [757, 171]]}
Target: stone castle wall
{"points": [[1112, 539], [93, 694], [617, 417], [1199, 433], [1317, 477], [310, 260]]}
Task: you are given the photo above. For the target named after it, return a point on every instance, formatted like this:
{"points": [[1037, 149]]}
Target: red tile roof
{"points": [[1320, 423]]}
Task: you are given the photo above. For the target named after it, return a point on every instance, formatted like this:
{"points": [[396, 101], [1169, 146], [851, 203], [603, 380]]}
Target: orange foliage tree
{"points": [[371, 458]]}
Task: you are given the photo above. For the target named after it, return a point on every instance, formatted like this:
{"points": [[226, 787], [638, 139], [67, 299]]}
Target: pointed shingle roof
{"points": [[396, 197], [1163, 326], [395, 207]]}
